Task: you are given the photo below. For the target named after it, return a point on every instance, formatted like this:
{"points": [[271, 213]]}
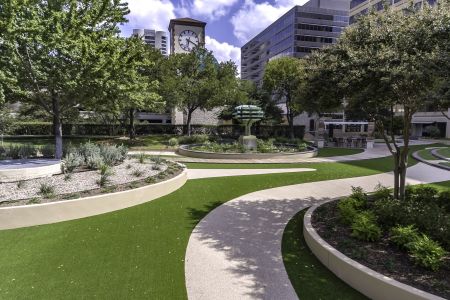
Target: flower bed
{"points": [[268, 146], [89, 170], [406, 241]]}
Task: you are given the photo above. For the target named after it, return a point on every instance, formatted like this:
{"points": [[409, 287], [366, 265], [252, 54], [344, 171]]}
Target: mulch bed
{"points": [[380, 256]]}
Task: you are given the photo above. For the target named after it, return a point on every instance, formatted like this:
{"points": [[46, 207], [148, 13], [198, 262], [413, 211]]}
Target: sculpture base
{"points": [[248, 141]]}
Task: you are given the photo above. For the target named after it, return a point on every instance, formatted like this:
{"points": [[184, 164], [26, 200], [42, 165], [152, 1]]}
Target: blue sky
{"points": [[231, 23]]}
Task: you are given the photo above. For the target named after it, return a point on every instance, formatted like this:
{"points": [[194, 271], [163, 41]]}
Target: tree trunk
{"points": [[57, 125], [290, 117], [188, 122], [404, 152], [132, 129], [396, 175]]}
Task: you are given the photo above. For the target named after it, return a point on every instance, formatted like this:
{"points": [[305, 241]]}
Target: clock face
{"points": [[188, 40]]}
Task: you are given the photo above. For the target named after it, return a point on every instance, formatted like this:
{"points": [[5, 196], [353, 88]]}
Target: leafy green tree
{"points": [[284, 78], [129, 82], [196, 81], [55, 49], [382, 64]]}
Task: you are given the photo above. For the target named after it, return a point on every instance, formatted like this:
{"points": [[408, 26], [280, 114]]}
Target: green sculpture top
{"points": [[248, 114]]}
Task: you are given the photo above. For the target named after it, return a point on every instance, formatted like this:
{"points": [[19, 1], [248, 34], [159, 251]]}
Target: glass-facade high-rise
{"points": [[297, 33]]}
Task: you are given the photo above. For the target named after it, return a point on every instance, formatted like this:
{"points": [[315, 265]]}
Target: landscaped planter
{"points": [[186, 151], [46, 213], [367, 281]]}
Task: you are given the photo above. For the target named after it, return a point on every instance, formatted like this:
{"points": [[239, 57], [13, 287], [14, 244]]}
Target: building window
{"points": [[315, 39], [305, 49], [355, 3], [315, 16]]}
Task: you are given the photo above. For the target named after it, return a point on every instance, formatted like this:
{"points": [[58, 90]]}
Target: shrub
{"points": [[421, 194], [105, 174], [33, 201], [359, 194], [48, 150], [173, 142], [142, 157], [193, 139], [89, 150], [349, 208], [13, 151], [137, 173], [443, 200], [426, 252], [150, 180], [382, 192], [403, 235], [364, 227], [46, 190], [388, 211], [265, 146], [433, 131], [72, 161], [156, 167], [94, 161], [20, 184], [112, 155], [27, 150], [157, 160]]}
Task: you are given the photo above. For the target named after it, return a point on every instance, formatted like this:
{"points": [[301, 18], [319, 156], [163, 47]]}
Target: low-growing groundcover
{"points": [[136, 252], [408, 240]]}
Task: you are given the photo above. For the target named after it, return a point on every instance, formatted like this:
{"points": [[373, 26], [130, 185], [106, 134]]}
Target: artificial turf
{"points": [[136, 252], [330, 152], [309, 277]]}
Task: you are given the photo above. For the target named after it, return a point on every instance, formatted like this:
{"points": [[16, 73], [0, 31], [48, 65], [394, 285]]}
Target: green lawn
{"points": [[136, 252], [444, 152], [447, 164], [426, 154], [309, 277], [330, 152]]}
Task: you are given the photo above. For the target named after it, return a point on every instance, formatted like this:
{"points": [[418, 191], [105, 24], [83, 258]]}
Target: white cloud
{"points": [[253, 17], [210, 9], [223, 51], [149, 14]]}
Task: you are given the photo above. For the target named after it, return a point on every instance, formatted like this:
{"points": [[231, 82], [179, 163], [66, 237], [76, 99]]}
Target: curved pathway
{"points": [[235, 251]]}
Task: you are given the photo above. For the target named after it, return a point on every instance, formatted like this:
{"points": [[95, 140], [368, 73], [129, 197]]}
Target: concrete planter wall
{"points": [[33, 168], [47, 213], [370, 283], [185, 151]]}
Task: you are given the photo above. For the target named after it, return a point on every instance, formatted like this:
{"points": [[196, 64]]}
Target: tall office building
{"points": [[156, 39], [362, 7], [298, 32]]}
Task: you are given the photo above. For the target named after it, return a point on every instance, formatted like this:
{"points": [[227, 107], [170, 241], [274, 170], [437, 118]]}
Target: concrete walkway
{"points": [[235, 251], [209, 173]]}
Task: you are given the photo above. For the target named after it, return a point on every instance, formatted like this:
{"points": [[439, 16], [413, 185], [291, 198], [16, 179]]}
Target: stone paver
{"points": [[235, 251]]}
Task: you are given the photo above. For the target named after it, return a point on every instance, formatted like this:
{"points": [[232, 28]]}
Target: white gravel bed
{"points": [[78, 182]]}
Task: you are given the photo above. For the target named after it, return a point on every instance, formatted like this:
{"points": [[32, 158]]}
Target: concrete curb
{"points": [[370, 283], [9, 175], [185, 151], [47, 213], [416, 156], [436, 154]]}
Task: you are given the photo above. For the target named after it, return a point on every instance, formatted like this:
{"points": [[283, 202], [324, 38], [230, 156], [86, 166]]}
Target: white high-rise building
{"points": [[156, 39]]}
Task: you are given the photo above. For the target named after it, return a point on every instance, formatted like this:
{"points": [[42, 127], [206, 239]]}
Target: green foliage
{"points": [[113, 155], [364, 227], [432, 131], [105, 174], [137, 173], [265, 146], [46, 190], [403, 235], [21, 151], [426, 252], [388, 211], [443, 200], [157, 160], [349, 208], [142, 157], [173, 142], [48, 150], [72, 161], [382, 192], [193, 139]]}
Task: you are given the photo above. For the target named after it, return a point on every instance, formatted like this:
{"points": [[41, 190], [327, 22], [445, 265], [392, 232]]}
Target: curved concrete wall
{"points": [[30, 172], [185, 151], [46, 213], [372, 284]]}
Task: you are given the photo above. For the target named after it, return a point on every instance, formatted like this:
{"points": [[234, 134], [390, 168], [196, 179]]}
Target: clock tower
{"points": [[186, 34]]}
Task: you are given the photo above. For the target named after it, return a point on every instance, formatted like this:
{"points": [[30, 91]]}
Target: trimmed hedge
{"points": [[228, 131]]}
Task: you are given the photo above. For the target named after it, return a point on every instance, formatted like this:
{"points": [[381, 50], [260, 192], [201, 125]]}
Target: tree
{"points": [[283, 78], [130, 81], [54, 49], [382, 63], [196, 81]]}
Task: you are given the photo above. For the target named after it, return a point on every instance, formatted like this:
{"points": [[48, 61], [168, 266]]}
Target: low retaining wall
{"points": [[185, 151], [11, 173], [53, 212], [372, 284]]}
